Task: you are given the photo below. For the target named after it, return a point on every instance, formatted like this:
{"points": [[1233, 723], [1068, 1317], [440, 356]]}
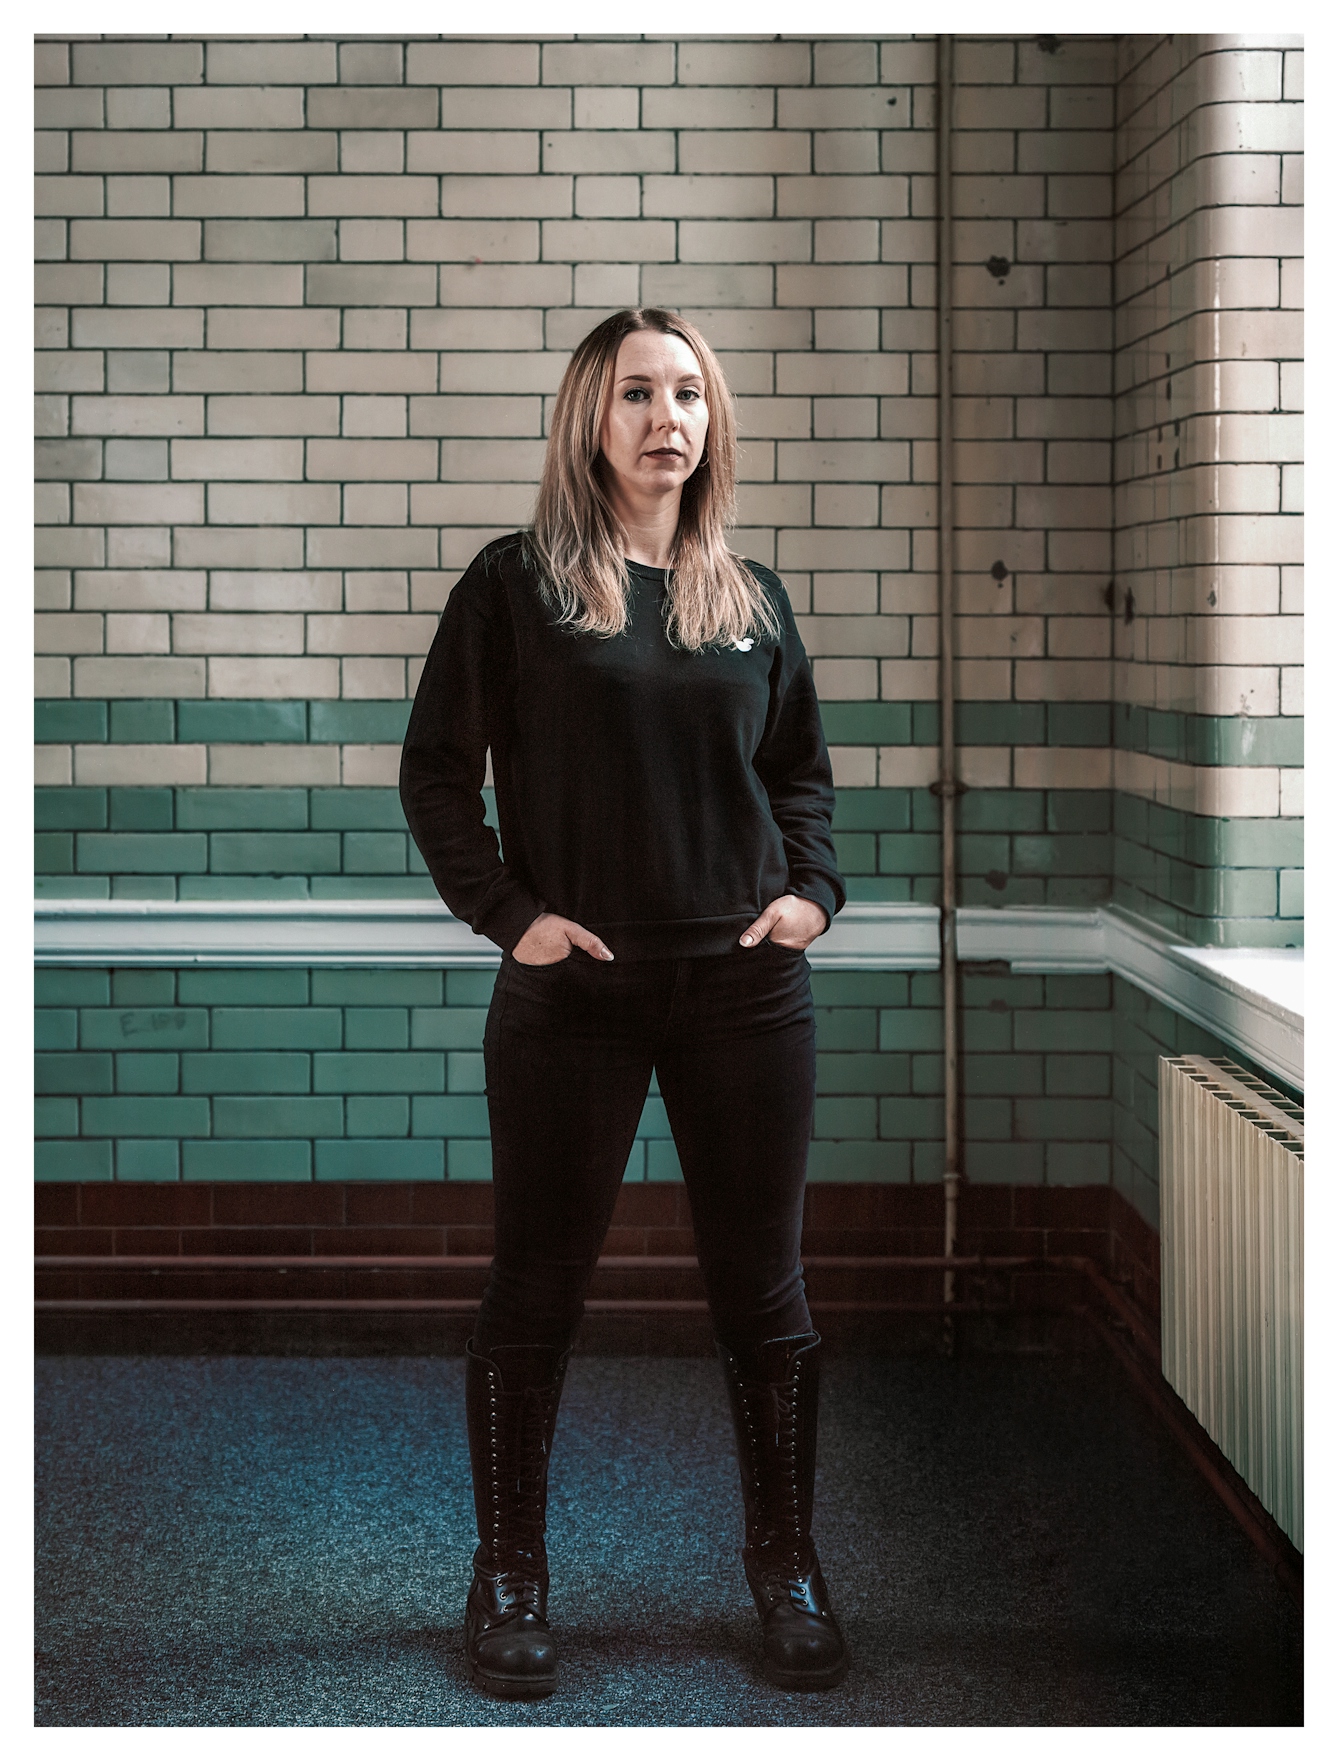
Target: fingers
{"points": [[586, 941], [760, 927]]}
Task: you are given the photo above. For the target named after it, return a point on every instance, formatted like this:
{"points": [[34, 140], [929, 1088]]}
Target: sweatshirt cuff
{"points": [[818, 893], [508, 920]]}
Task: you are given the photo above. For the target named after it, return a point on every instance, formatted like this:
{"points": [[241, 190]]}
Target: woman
{"points": [[665, 799]]}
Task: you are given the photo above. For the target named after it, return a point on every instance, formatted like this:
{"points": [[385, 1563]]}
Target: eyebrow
{"points": [[646, 379]]}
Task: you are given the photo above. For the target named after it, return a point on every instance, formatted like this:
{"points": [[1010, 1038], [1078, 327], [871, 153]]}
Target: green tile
{"points": [[979, 852], [846, 1116], [143, 986], [53, 853], [1063, 1030], [71, 886], [882, 1162], [380, 1158], [1078, 810], [1000, 724], [987, 1073], [69, 720], [1000, 888], [862, 1073], [379, 1115], [252, 1159], [257, 1029], [1000, 992], [238, 722], [56, 1030], [866, 724], [139, 810], [416, 863], [134, 1030], [449, 1117], [468, 1159], [909, 1116], [926, 990], [988, 1118], [872, 810], [448, 1029], [1052, 1117], [1077, 1073], [372, 886], [242, 886], [278, 1116], [909, 1030], [375, 853], [144, 886], [375, 987], [985, 1032], [856, 852], [71, 985], [909, 853], [240, 1073], [470, 989], [141, 853], [464, 1073], [872, 989], [356, 810], [1078, 724], [654, 1120], [55, 1116], [147, 1158], [847, 1030], [148, 1073], [662, 1161], [883, 888], [366, 722], [147, 721], [926, 814], [239, 984], [73, 1073], [274, 853], [1078, 990], [1002, 810], [80, 1160], [146, 1116], [924, 724], [379, 1073], [252, 810], [635, 1167], [1004, 1164], [1077, 1164], [1291, 893], [69, 810], [367, 1030]]}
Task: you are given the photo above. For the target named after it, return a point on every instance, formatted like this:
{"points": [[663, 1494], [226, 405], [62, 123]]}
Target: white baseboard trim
{"points": [[1251, 998]]}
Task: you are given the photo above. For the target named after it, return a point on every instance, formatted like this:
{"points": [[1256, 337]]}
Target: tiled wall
{"points": [[1208, 311]]}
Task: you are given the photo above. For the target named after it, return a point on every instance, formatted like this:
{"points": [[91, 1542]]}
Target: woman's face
{"points": [[654, 426]]}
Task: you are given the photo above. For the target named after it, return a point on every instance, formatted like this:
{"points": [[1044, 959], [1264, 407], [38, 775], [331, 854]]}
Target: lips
{"points": [[665, 452]]}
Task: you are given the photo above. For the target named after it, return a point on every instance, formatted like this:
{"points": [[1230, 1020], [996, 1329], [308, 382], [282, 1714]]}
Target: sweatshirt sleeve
{"points": [[793, 764], [460, 698]]}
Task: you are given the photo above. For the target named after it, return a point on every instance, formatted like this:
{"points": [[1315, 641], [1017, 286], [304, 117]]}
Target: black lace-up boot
{"points": [[773, 1393], [511, 1402]]}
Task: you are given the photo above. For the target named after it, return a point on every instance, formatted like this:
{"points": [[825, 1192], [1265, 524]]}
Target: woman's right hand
{"points": [[551, 938]]}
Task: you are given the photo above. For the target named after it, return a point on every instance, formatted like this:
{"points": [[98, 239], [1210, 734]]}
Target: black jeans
{"points": [[569, 1050]]}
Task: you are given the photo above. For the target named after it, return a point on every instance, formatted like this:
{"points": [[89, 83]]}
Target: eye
{"points": [[691, 393], [636, 392]]}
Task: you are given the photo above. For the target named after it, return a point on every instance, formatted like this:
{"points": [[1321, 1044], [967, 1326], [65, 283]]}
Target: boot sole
{"points": [[806, 1680], [504, 1687]]}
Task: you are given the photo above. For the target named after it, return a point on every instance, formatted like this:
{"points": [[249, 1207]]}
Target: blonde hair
{"points": [[577, 541]]}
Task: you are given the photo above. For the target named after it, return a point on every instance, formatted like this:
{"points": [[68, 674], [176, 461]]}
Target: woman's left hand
{"points": [[789, 921]]}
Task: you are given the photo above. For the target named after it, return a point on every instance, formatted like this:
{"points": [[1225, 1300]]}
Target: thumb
{"points": [[760, 927], [587, 941]]}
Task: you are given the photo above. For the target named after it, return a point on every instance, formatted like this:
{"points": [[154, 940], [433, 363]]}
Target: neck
{"points": [[650, 525]]}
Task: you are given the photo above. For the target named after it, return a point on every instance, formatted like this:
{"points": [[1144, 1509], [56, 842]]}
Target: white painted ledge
{"points": [[1252, 998]]}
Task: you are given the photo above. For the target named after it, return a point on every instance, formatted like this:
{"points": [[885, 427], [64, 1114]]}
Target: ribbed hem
{"points": [[685, 939]]}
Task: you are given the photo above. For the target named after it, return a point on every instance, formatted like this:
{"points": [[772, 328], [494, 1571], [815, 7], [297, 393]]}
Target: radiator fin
{"points": [[1232, 1190]]}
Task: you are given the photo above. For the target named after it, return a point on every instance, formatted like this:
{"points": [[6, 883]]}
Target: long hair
{"points": [[577, 541]]}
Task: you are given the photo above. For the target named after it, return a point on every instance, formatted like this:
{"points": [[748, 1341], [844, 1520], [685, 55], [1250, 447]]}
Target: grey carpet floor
{"points": [[268, 1541]]}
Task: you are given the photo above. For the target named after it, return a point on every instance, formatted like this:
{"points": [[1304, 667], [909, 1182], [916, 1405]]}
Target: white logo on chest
{"points": [[744, 644]]}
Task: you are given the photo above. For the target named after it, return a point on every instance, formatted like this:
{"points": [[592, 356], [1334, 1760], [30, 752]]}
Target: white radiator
{"points": [[1232, 1189]]}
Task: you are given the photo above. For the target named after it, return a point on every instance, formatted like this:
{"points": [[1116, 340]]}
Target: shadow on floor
{"points": [[264, 1541]]}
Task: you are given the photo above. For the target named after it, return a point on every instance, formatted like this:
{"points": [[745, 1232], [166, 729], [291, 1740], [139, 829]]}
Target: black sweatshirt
{"points": [[661, 798]]}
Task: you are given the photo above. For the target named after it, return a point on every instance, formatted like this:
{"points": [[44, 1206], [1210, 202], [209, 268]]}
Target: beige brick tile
{"points": [[691, 196], [1081, 638], [136, 240], [755, 63], [509, 197], [607, 197], [371, 64], [854, 635], [270, 676], [68, 108], [272, 590], [51, 676], [610, 240], [67, 195], [149, 590], [207, 370], [1064, 681], [138, 633], [845, 418], [871, 107], [854, 767], [52, 767], [371, 676], [51, 589], [846, 680], [800, 548], [845, 504], [262, 328], [370, 634], [138, 504], [51, 63], [429, 590], [683, 286], [271, 62], [366, 284], [265, 150], [272, 504], [373, 196], [372, 460], [232, 240], [492, 461], [737, 152], [136, 416], [606, 106], [150, 197], [788, 418], [139, 766], [371, 150], [146, 676], [845, 241], [51, 151], [253, 547], [846, 327], [136, 64], [375, 504], [237, 460], [257, 415], [367, 417], [985, 767], [374, 372], [50, 418], [229, 633], [1062, 767], [463, 107], [371, 548], [67, 633], [476, 328], [608, 64], [131, 150], [841, 374], [495, 151], [524, 284], [516, 416], [370, 767], [501, 372], [239, 284], [377, 590], [775, 504], [276, 765], [67, 284], [455, 241], [744, 241], [238, 107], [843, 594], [141, 547], [826, 284], [49, 240], [464, 63], [907, 767], [503, 506], [711, 107], [847, 151], [842, 461]]}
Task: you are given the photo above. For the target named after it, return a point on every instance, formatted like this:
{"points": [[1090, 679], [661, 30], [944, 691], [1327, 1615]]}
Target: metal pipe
{"points": [[947, 788]]}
